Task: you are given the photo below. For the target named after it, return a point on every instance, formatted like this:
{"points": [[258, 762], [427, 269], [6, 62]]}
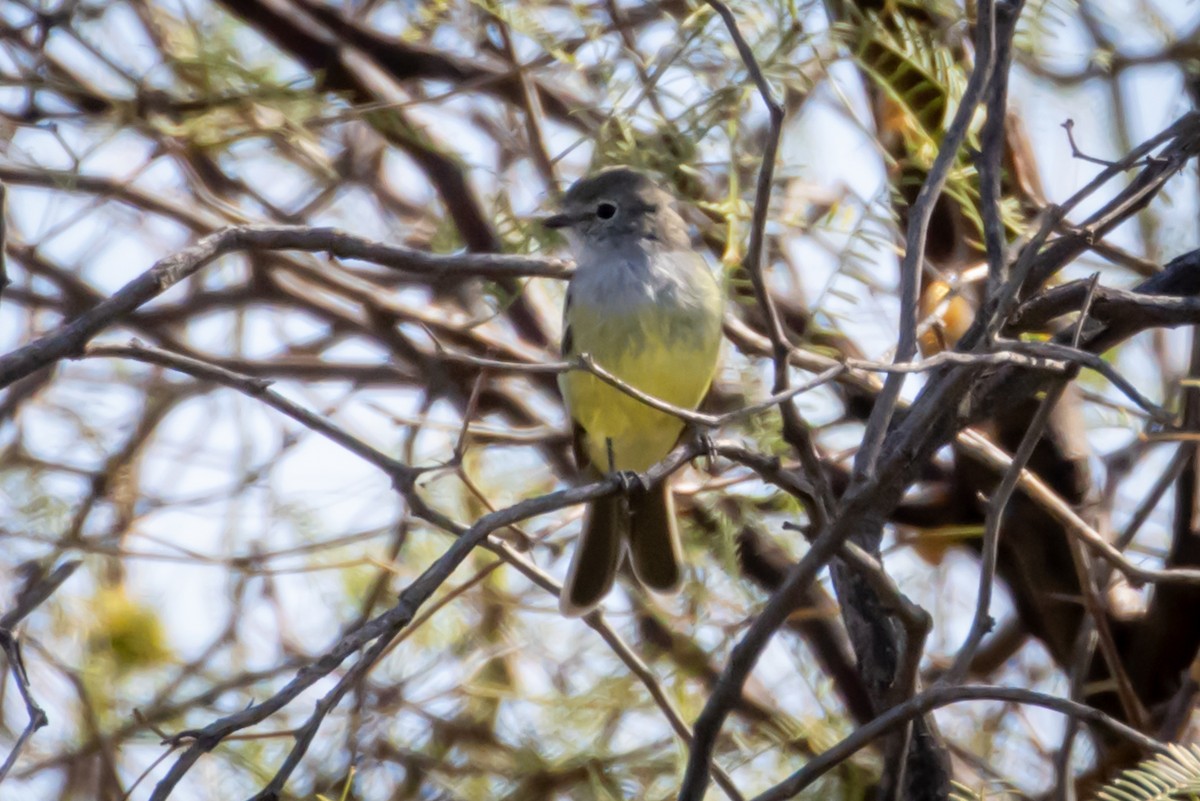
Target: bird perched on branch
{"points": [[647, 309]]}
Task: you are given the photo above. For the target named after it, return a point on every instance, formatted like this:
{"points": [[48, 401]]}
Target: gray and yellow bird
{"points": [[646, 308]]}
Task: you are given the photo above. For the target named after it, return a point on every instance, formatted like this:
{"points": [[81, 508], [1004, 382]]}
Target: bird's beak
{"points": [[558, 221]]}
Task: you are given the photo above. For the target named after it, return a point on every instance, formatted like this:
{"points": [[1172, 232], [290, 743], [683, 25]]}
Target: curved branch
{"points": [[71, 338], [932, 699]]}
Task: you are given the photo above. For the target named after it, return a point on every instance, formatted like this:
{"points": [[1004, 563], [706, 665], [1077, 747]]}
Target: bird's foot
{"points": [[631, 481], [707, 446]]}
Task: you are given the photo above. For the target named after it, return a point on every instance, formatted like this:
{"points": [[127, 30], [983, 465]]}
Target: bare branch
{"points": [[36, 590], [937, 697], [918, 230]]}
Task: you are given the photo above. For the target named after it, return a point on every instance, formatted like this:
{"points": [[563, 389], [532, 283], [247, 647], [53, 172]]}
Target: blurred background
{"points": [[224, 546]]}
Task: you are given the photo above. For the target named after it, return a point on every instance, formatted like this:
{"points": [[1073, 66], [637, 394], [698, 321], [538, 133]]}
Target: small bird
{"points": [[646, 308]]}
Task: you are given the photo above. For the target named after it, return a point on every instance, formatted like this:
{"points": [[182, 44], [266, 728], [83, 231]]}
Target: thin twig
{"points": [[1082, 651], [992, 144], [381, 630], [71, 338], [981, 622], [919, 219], [981, 448], [37, 716], [1150, 502], [260, 389], [586, 363], [796, 432], [934, 698], [1069, 126], [37, 589], [532, 107], [745, 654], [1069, 353]]}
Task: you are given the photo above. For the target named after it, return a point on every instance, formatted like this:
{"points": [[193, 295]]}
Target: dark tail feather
{"points": [[654, 539], [597, 556]]}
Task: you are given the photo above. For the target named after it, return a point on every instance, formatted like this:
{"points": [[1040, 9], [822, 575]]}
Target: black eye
{"points": [[606, 210]]}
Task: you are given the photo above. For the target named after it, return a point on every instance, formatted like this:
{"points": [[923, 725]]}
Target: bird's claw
{"points": [[707, 446], [631, 481]]}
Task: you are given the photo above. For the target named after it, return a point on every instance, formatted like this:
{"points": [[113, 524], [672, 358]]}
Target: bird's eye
{"points": [[606, 210]]}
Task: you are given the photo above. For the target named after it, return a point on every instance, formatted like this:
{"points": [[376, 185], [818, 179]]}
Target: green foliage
{"points": [[918, 74], [1041, 23], [231, 96], [125, 631], [346, 789], [922, 79], [961, 792], [1167, 777]]}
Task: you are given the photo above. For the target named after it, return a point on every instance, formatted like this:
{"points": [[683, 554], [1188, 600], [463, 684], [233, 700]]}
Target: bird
{"points": [[646, 307]]}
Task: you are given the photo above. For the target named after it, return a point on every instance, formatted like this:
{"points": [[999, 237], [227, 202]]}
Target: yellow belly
{"points": [[672, 369]]}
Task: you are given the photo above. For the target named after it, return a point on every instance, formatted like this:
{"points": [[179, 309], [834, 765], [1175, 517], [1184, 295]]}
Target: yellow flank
{"points": [[644, 352]]}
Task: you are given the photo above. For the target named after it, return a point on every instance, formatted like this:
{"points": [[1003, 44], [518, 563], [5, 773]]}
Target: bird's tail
{"points": [[654, 539], [597, 556]]}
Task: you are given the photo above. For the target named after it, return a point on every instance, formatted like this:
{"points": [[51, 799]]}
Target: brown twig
{"points": [[796, 431], [382, 629], [71, 338], [981, 622], [919, 218], [32, 595], [937, 697]]}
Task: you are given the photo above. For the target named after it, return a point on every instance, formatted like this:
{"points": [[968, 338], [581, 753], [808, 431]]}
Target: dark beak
{"points": [[558, 221]]}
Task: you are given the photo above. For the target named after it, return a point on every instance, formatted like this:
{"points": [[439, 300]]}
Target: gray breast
{"points": [[642, 274], [619, 296]]}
